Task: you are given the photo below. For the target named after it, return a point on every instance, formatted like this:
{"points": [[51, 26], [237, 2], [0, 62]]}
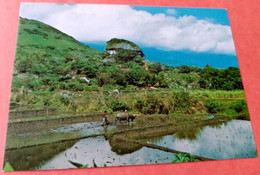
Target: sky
{"points": [[165, 29]]}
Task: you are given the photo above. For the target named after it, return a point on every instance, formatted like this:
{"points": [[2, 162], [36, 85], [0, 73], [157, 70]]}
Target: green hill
{"points": [[42, 49], [50, 66]]}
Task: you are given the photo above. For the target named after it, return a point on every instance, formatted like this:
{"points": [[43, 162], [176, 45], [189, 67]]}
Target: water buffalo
{"points": [[125, 116]]}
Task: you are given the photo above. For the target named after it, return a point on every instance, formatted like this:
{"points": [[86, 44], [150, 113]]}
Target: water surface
{"points": [[229, 140]]}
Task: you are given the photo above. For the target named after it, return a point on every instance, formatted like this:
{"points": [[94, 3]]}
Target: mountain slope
{"points": [[39, 43]]}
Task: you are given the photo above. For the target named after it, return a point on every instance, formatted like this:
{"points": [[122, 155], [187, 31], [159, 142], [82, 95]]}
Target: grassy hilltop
{"points": [[49, 64]]}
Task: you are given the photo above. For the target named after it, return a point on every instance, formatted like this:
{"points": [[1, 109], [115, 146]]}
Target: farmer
{"points": [[105, 121]]}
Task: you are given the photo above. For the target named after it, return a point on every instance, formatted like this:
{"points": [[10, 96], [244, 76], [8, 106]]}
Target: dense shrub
{"points": [[103, 79], [139, 60], [151, 105], [239, 106], [155, 68], [140, 77], [184, 102], [117, 105], [213, 106], [162, 80], [74, 86], [184, 69], [125, 55], [119, 78]]}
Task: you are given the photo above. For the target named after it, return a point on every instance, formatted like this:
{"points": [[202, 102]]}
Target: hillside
{"points": [[39, 43], [53, 69]]}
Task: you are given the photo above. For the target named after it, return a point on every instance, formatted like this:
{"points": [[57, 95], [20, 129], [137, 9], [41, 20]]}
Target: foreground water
{"points": [[224, 141], [227, 140], [98, 150]]}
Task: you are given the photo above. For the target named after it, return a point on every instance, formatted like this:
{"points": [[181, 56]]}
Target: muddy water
{"points": [[99, 150], [229, 140]]}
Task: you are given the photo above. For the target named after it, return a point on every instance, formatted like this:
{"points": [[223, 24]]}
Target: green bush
{"points": [[119, 78], [184, 102], [184, 158], [239, 106], [74, 86], [163, 82], [184, 69], [214, 106], [152, 104], [155, 68], [34, 84], [117, 105], [103, 79]]}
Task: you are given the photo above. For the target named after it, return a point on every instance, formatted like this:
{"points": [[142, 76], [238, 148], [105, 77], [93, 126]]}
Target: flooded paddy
{"points": [[125, 144], [99, 150], [229, 140]]}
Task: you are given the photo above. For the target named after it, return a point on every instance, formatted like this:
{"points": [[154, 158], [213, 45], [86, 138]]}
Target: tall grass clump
{"points": [[165, 103]]}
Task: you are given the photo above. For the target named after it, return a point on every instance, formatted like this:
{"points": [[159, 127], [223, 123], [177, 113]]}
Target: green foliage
{"points": [[36, 32], [239, 106], [151, 105], [78, 165], [74, 85], [184, 102], [87, 67], [214, 106], [163, 82], [23, 63], [202, 83], [102, 78], [140, 77], [34, 84], [139, 60], [125, 55], [184, 158], [226, 79], [155, 68], [42, 65], [118, 106], [113, 43], [119, 78], [184, 69], [8, 167]]}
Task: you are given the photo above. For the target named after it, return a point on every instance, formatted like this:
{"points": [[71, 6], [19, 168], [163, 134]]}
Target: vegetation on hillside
{"points": [[50, 66]]}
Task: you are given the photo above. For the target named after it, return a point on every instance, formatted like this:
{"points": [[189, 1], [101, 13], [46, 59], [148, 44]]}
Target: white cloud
{"points": [[90, 23]]}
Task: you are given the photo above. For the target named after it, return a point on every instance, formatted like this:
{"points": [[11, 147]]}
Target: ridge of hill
{"points": [[40, 43]]}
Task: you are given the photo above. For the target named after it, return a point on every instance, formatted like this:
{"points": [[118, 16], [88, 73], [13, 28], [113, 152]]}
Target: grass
{"points": [[220, 94], [231, 103]]}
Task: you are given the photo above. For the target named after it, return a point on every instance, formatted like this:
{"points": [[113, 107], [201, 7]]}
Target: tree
{"points": [[162, 80], [119, 78], [184, 69], [155, 68]]}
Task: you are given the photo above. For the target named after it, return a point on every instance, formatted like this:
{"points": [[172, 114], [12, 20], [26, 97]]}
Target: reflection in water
{"points": [[227, 141], [122, 147], [32, 157], [99, 150], [190, 133], [219, 125]]}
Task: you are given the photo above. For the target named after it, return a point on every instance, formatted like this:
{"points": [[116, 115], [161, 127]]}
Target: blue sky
{"points": [[158, 30], [217, 16]]}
